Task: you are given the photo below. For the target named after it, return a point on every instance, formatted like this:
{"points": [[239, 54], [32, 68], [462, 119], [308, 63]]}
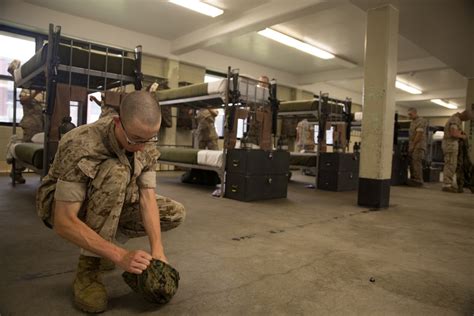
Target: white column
{"points": [[380, 69]]}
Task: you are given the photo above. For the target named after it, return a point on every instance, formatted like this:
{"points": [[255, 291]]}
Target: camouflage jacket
{"points": [[418, 125], [206, 129], [305, 133], [78, 159], [454, 122]]}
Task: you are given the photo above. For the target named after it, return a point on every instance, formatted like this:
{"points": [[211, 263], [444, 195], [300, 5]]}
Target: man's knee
{"points": [[172, 214]]}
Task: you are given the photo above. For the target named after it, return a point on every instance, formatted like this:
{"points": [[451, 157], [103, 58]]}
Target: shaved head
{"points": [[412, 113], [140, 107], [264, 81]]}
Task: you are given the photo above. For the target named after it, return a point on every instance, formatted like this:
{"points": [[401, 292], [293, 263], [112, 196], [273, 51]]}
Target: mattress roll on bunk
{"points": [[358, 116]]}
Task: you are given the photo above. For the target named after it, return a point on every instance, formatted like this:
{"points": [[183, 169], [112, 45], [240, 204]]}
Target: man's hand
{"points": [[135, 261], [160, 255]]}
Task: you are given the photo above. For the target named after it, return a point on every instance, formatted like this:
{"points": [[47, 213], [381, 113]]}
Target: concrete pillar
{"points": [[469, 125], [380, 69]]}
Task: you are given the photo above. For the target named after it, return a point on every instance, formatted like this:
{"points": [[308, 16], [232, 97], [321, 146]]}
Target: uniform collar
{"points": [[114, 145]]}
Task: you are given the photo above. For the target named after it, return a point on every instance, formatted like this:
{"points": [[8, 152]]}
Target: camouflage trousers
{"points": [[450, 151], [107, 211], [464, 169], [416, 165], [210, 144], [306, 147]]}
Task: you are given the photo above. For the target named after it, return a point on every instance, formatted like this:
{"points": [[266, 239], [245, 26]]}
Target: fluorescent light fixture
{"points": [[293, 42], [199, 6], [403, 86], [448, 105]]}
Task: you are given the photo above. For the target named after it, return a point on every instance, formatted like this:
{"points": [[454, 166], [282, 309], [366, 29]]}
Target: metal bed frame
{"points": [[231, 101], [324, 116], [50, 70]]}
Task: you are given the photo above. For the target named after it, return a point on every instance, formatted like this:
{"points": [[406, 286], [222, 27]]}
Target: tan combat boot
{"points": [[450, 189], [89, 291]]}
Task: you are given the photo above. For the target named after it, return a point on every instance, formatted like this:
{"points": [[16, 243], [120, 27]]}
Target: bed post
{"points": [[274, 106], [348, 118], [12, 174], [321, 131], [51, 81], [138, 68], [227, 119]]}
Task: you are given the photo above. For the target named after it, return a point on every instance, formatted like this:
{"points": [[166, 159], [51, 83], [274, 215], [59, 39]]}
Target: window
{"points": [[6, 102], [15, 47], [329, 135], [93, 109], [219, 123], [12, 46]]}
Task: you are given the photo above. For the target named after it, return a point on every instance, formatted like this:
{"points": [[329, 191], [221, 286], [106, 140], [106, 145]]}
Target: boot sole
{"points": [[89, 309]]}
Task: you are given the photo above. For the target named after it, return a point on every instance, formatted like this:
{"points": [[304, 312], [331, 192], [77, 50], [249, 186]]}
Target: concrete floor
{"points": [[312, 253]]}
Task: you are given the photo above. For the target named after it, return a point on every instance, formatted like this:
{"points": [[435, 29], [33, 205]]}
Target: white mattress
{"points": [[248, 90], [211, 158]]}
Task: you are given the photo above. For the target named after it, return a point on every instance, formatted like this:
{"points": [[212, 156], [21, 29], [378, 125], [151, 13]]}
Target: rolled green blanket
{"points": [[179, 154], [194, 90]]}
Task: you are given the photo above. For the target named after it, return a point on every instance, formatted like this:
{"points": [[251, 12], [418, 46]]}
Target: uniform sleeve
{"points": [[147, 179], [421, 126], [72, 186], [74, 172]]}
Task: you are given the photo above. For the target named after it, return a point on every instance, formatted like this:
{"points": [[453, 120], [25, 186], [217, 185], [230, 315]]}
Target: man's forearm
{"points": [[457, 134], [417, 139], [151, 220], [71, 228]]}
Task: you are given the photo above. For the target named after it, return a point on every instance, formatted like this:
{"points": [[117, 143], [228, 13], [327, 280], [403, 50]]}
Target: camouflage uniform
{"points": [[450, 146], [464, 169], [206, 131], [107, 110], [90, 167], [32, 121], [305, 136], [418, 152]]}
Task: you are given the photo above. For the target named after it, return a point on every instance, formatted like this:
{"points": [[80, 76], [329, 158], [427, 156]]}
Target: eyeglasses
{"points": [[154, 139]]}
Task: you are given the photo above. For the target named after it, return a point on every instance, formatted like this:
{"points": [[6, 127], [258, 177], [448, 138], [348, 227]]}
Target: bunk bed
{"points": [[320, 111], [235, 95], [68, 69]]}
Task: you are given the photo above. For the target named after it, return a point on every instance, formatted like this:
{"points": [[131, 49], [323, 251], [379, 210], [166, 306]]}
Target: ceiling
{"points": [[323, 30], [258, 49], [428, 81], [338, 27], [428, 105], [153, 17]]}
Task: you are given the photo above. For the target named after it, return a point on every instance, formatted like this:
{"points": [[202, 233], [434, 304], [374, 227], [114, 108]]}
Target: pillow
{"points": [[38, 138]]}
